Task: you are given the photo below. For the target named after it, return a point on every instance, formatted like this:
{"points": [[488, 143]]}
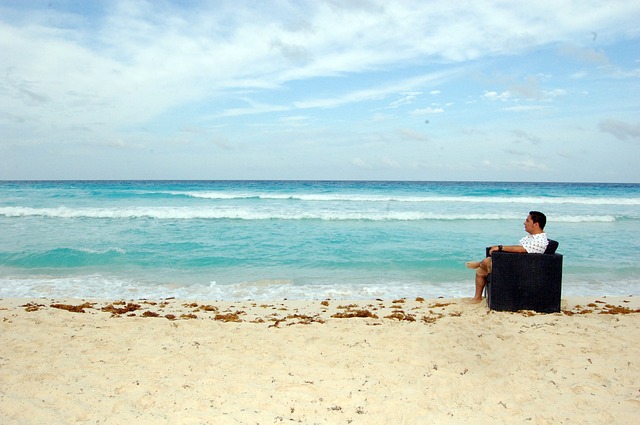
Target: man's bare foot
{"points": [[475, 300], [473, 264]]}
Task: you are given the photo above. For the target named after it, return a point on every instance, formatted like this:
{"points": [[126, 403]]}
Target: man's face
{"points": [[529, 225]]}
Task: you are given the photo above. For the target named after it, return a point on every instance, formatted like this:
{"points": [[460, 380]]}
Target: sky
{"points": [[544, 90]]}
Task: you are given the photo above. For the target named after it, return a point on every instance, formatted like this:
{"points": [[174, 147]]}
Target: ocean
{"points": [[271, 240]]}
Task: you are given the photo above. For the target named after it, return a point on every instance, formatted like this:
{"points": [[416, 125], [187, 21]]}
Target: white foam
{"points": [[185, 213], [355, 197], [102, 251], [111, 287], [105, 287]]}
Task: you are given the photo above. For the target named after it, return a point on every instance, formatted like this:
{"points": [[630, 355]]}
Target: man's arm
{"points": [[508, 248]]}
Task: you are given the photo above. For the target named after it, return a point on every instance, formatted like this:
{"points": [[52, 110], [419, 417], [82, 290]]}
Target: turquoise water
{"points": [[301, 239]]}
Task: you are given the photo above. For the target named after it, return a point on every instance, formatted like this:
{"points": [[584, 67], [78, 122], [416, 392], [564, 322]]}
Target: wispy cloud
{"points": [[410, 134], [126, 74], [529, 91], [588, 55], [529, 165], [405, 99], [153, 56], [620, 129], [254, 108], [524, 108], [523, 135], [378, 92], [427, 111]]}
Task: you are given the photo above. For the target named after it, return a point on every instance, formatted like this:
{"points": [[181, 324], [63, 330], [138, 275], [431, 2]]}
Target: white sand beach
{"points": [[311, 362]]}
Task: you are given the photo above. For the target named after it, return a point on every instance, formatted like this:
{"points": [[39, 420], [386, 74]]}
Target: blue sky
{"points": [[333, 89]]}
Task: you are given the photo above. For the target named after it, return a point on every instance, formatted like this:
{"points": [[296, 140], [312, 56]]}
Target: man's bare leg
{"points": [[482, 271], [481, 282]]}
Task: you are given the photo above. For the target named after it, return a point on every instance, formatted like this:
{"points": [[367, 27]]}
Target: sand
{"points": [[312, 362]]}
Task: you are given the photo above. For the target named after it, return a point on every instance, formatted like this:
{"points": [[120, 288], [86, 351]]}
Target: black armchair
{"points": [[525, 281]]}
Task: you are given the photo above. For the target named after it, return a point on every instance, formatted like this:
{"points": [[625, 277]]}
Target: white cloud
{"points": [[427, 111], [524, 108], [527, 91], [493, 96], [551, 94]]}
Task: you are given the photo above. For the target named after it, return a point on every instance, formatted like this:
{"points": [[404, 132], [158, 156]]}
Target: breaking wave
{"points": [[189, 213], [219, 195]]}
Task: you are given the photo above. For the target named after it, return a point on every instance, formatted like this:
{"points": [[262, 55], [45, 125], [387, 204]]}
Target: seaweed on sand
{"points": [[116, 311], [73, 308], [606, 309], [401, 315], [304, 319], [30, 307], [229, 317], [355, 313]]}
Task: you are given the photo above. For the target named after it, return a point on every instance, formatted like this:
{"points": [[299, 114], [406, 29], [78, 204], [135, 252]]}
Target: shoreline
{"points": [[258, 311], [333, 361]]}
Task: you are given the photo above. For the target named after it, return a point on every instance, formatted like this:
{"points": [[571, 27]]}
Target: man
{"points": [[535, 243]]}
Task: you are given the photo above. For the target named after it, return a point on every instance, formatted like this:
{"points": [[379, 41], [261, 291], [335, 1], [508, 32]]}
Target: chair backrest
{"points": [[551, 247]]}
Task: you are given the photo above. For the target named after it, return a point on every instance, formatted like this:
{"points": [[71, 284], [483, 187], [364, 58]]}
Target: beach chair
{"points": [[525, 281]]}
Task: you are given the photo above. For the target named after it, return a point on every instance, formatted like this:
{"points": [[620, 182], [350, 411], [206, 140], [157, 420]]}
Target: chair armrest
{"points": [[551, 248]]}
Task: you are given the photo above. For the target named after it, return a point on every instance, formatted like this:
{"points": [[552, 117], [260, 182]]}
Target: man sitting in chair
{"points": [[535, 243]]}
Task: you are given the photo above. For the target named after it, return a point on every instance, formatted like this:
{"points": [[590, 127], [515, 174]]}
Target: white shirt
{"points": [[535, 244]]}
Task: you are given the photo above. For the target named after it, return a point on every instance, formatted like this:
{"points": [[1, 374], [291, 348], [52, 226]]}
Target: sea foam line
{"points": [[117, 287], [185, 213], [414, 199]]}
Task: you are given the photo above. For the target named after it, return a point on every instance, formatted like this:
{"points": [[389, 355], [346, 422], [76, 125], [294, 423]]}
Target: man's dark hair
{"points": [[538, 217]]}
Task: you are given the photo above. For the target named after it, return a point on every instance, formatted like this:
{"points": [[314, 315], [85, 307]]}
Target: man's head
{"points": [[535, 222]]}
